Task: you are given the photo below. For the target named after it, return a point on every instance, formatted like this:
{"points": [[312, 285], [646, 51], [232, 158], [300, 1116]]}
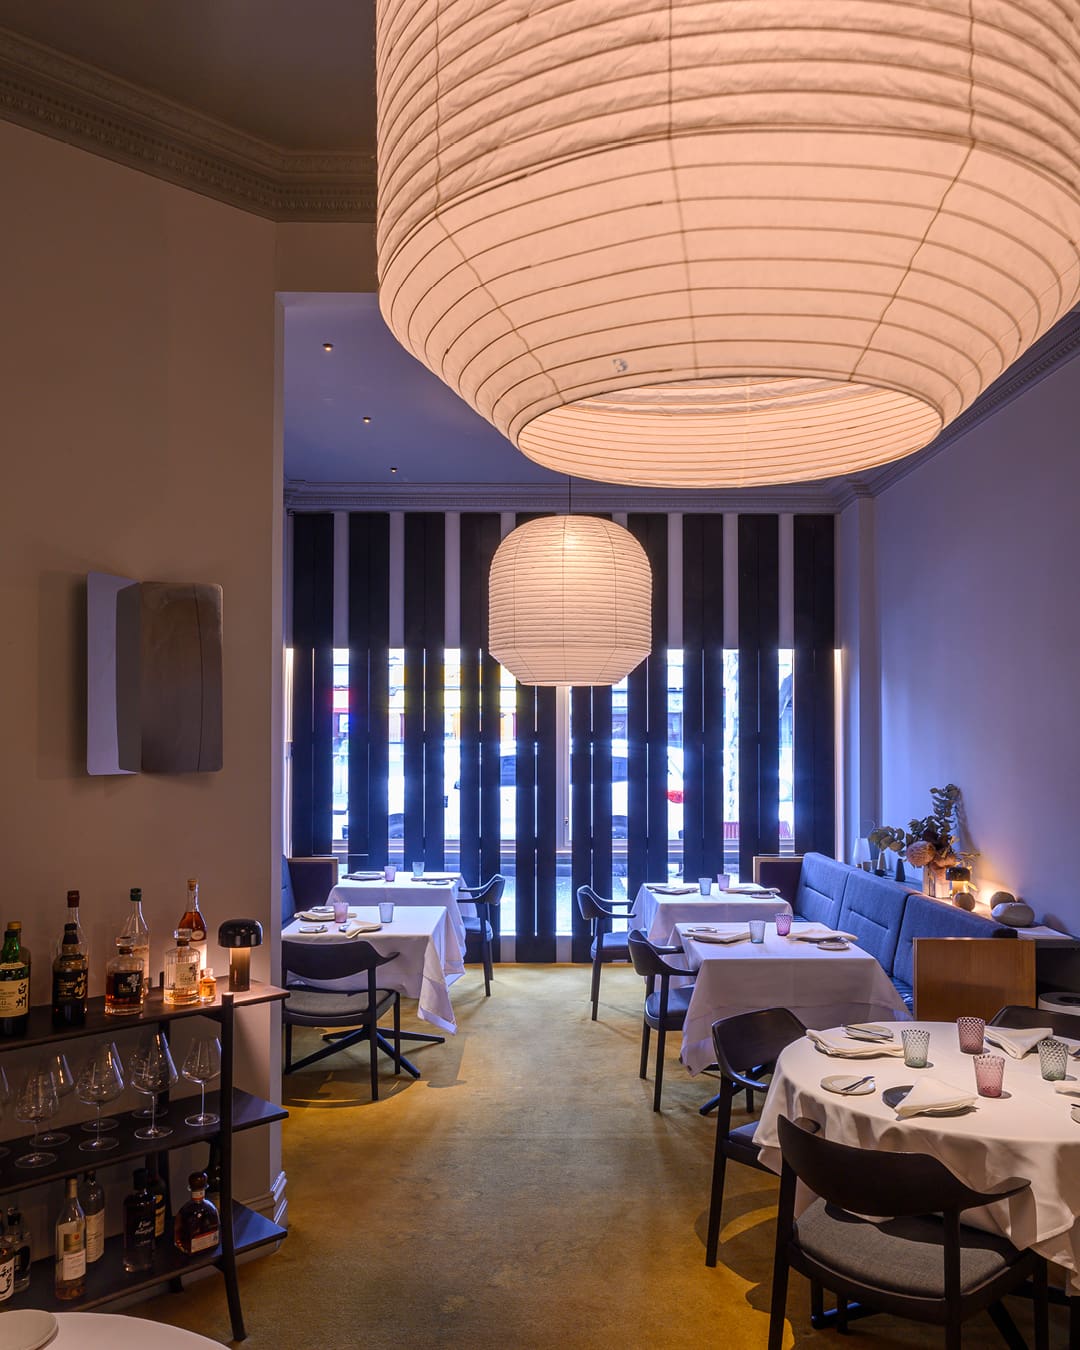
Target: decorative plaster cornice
{"points": [[54, 94]]}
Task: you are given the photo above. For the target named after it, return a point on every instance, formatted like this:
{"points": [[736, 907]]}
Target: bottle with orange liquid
{"points": [[193, 920]]}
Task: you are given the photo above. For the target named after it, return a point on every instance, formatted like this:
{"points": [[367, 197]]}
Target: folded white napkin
{"points": [[718, 934], [1070, 1087], [1016, 1041], [933, 1094], [355, 928], [673, 890], [818, 932], [315, 915], [749, 888], [847, 1047]]}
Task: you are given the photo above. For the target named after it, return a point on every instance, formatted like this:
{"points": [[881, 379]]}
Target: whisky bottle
{"points": [[73, 917], [136, 932], [7, 1262], [207, 985], [157, 1189], [71, 973], [139, 1225], [20, 1234], [182, 971], [197, 1228], [93, 1203], [71, 1245], [124, 982], [192, 919], [14, 983]]}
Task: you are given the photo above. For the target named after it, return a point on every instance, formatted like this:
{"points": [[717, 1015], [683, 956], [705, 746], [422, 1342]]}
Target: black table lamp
{"points": [[239, 936]]}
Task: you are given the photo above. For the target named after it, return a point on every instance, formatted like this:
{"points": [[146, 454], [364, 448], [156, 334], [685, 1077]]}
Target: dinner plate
{"points": [[26, 1328], [835, 1083], [895, 1095], [318, 912], [313, 928], [832, 945], [436, 881], [365, 876]]}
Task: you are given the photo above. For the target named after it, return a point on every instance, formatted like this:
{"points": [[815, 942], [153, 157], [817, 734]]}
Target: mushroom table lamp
{"points": [[239, 936]]}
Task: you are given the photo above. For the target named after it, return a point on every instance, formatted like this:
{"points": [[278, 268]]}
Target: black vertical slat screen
{"points": [[703, 695], [814, 549], [369, 688], [313, 684], [424, 731], [759, 672], [647, 728], [581, 825]]}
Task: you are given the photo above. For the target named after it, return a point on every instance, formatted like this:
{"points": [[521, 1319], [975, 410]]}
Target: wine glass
{"points": [[65, 1086], [102, 1123], [100, 1080], [37, 1101], [5, 1101], [153, 1071], [202, 1063]]}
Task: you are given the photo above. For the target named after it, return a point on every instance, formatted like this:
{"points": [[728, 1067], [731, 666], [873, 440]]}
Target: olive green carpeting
{"points": [[521, 1194]]}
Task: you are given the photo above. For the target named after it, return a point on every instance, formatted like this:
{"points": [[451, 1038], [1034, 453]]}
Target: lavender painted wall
{"points": [[977, 578]]}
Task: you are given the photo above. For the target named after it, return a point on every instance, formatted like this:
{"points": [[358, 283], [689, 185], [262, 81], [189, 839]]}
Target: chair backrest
{"points": [[288, 900], [329, 960], [491, 892], [750, 1040], [312, 880], [955, 977], [873, 1181], [592, 906], [1063, 1024], [647, 960]]}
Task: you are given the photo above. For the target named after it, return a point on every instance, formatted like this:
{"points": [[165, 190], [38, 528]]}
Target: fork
{"points": [[858, 1083]]}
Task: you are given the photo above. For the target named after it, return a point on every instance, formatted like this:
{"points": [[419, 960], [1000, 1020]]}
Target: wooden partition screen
{"points": [[961, 977]]}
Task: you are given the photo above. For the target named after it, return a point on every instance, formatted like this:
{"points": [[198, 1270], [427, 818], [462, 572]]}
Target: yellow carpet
{"points": [[521, 1194]]}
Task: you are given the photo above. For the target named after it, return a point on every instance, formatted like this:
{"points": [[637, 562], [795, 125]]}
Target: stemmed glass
{"points": [[65, 1086], [201, 1064], [100, 1080], [37, 1101], [153, 1071], [5, 1100], [102, 1123]]}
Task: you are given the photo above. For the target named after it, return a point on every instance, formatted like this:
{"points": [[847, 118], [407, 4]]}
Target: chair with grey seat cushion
{"points": [[665, 1008], [306, 964], [485, 898], [747, 1047], [917, 1260], [606, 945]]}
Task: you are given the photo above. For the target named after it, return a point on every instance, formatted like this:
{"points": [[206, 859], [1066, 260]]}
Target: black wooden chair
{"points": [[1062, 1024], [918, 1260], [606, 945], [312, 880], [747, 1047], [665, 1008], [485, 898], [360, 1008]]}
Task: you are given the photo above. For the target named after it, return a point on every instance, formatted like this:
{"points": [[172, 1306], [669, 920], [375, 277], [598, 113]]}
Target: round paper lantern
{"points": [[698, 243], [570, 602]]}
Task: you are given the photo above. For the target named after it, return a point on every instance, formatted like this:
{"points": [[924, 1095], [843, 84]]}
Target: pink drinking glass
{"points": [[341, 911], [970, 1031], [989, 1073], [783, 925]]}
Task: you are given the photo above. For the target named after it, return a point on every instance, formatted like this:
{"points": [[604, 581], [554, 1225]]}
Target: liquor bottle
{"points": [[192, 919], [93, 1203], [157, 1190], [20, 1234], [139, 1225], [71, 974], [213, 1173], [182, 971], [14, 983], [7, 1262], [197, 1228], [73, 917], [136, 931], [71, 1245], [207, 985], [124, 982]]}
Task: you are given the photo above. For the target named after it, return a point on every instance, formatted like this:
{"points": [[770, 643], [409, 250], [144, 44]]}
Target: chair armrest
{"points": [[1003, 1190]]}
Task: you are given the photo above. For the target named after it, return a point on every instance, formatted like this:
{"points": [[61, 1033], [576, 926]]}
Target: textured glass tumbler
{"points": [[386, 911], [989, 1073], [417, 870], [389, 873], [757, 930], [1053, 1059], [970, 1031], [705, 885], [916, 1045], [723, 880], [783, 925]]}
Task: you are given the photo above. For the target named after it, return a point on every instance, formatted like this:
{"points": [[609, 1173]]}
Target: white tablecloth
{"points": [[1029, 1133], [658, 914], [429, 956], [821, 988], [438, 888], [108, 1331]]}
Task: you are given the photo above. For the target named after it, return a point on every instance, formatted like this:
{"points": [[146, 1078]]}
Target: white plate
{"points": [[835, 1082], [26, 1328], [832, 945], [313, 928]]}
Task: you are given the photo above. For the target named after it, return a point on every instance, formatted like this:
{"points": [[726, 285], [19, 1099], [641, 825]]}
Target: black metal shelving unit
{"points": [[106, 1279]]}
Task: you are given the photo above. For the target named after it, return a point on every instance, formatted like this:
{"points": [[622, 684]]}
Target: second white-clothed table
{"points": [[429, 960], [657, 911], [1027, 1132], [822, 988], [433, 888]]}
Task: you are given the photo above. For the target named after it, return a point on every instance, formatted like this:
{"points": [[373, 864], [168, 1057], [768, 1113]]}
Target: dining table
{"points": [[93, 1331], [429, 956], [1029, 1131], [659, 906], [821, 987], [433, 888]]}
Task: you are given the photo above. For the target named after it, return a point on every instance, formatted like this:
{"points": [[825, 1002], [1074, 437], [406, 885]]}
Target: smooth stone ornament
{"points": [[1006, 909]]}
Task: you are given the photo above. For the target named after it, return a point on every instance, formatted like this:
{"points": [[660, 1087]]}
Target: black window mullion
{"points": [[814, 711], [604, 823], [525, 824], [652, 532], [759, 737], [313, 681], [581, 873], [434, 642], [547, 805], [412, 753], [693, 718], [369, 586]]}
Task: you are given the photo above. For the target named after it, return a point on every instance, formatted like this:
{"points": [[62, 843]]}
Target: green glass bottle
{"points": [[14, 983]]}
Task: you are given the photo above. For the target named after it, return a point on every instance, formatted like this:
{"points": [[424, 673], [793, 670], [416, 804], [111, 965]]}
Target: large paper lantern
{"points": [[724, 242], [570, 602]]}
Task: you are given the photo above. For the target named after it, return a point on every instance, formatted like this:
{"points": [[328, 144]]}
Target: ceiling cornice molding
{"points": [[49, 92], [799, 498]]}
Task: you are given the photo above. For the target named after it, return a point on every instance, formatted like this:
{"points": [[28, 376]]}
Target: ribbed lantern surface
{"points": [[570, 602], [737, 242]]}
